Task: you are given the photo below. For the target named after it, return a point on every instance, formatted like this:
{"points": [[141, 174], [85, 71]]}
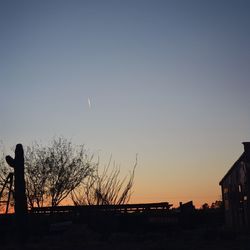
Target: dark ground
{"points": [[80, 236], [199, 230]]}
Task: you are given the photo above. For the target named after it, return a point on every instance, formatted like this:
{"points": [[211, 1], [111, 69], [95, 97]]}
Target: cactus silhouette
{"points": [[19, 183]]}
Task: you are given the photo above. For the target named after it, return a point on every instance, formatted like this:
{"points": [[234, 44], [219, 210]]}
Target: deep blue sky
{"points": [[168, 80]]}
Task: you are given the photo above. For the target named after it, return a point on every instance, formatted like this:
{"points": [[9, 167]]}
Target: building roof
{"points": [[235, 165]]}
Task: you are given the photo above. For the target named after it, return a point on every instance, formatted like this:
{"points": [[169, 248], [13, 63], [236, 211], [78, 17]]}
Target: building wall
{"points": [[235, 193]]}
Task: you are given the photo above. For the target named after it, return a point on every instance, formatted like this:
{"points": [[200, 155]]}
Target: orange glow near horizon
{"points": [[175, 201]]}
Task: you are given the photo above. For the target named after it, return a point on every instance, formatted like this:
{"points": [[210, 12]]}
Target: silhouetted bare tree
{"points": [[54, 171], [105, 188], [36, 172], [4, 171]]}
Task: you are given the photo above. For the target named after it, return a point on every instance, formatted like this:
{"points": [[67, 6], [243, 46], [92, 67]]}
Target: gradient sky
{"points": [[168, 80]]}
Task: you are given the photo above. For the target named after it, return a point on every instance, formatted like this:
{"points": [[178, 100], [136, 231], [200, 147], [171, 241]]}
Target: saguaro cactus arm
{"points": [[10, 161]]}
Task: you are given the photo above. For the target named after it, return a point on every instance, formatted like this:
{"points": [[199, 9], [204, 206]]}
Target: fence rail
{"points": [[125, 208]]}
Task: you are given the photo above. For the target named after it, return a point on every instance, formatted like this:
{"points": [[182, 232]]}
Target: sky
{"points": [[167, 80]]}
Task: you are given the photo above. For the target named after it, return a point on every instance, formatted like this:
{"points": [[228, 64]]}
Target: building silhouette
{"points": [[235, 187]]}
